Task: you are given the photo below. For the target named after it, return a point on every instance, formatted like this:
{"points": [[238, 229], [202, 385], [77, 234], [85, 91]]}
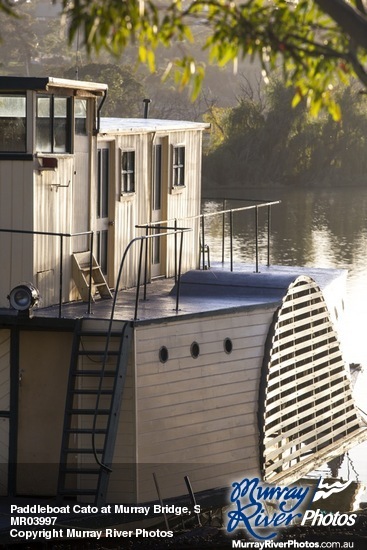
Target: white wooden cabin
{"points": [[244, 376], [154, 175], [65, 171]]}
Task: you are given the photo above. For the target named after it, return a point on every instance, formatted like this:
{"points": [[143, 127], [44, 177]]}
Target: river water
{"points": [[317, 228]]}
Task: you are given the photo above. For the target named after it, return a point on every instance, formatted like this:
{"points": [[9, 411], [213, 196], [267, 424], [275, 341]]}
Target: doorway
{"points": [[103, 223], [42, 383], [159, 185]]}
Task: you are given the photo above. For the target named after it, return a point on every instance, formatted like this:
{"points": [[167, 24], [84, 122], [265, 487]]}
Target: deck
{"points": [[201, 292]]}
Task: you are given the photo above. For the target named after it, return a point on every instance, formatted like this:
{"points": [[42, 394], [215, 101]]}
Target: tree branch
{"points": [[358, 67], [361, 6], [351, 20]]}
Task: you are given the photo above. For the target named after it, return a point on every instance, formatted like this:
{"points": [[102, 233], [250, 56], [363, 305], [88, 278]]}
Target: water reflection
{"points": [[316, 228]]}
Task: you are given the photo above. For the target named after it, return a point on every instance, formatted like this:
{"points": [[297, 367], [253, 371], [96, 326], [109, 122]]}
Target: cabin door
{"points": [[103, 223], [158, 206], [42, 384]]}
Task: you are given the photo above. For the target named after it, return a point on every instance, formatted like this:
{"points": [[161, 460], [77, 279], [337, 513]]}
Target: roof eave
{"points": [[20, 83]]}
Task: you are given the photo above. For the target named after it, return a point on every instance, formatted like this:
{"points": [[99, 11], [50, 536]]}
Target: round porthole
{"points": [[195, 350], [163, 354], [228, 346]]}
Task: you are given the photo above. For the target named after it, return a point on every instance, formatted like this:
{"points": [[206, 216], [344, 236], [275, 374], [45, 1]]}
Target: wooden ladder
{"points": [[96, 382], [82, 276]]}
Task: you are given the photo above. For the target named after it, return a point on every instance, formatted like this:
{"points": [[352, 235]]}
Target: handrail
{"points": [[168, 230], [142, 239], [61, 252], [231, 211], [156, 227]]}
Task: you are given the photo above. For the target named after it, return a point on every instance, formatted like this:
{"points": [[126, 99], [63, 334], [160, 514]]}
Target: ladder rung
{"points": [[89, 411], [92, 392], [83, 451], [76, 492], [98, 352], [90, 471], [94, 373], [94, 268], [99, 333], [96, 431]]}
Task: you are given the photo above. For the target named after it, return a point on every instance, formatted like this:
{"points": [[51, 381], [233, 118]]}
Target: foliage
{"points": [[7, 7], [17, 30], [317, 43], [125, 91], [269, 142]]}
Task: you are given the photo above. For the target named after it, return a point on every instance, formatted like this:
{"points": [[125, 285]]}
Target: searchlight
{"points": [[24, 298]]}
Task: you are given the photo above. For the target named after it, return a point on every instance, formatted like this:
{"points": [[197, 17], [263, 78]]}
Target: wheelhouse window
{"points": [[178, 166], [13, 129], [80, 113], [53, 133], [127, 172]]}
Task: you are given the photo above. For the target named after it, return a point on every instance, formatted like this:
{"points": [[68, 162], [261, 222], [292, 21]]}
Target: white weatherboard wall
{"points": [[184, 204], [198, 417], [16, 212], [53, 212], [131, 209]]}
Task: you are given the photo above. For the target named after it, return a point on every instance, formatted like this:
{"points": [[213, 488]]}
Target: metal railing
{"points": [[175, 231], [229, 212], [163, 229], [225, 213], [61, 236]]}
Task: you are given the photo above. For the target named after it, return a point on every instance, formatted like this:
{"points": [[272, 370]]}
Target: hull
{"points": [[243, 381]]}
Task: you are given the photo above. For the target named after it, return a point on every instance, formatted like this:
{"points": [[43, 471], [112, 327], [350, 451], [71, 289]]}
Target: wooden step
{"points": [[85, 274]]}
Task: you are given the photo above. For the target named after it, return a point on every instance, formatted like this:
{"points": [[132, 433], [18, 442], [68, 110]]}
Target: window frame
{"points": [[80, 123], [103, 181], [126, 189], [178, 166], [10, 153], [52, 125]]}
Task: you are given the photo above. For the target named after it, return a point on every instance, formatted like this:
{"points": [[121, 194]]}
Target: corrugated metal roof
{"points": [[147, 125]]}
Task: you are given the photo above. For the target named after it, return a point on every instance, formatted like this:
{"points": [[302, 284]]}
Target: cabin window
{"points": [[13, 123], [178, 166], [80, 114], [52, 124], [127, 172]]}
